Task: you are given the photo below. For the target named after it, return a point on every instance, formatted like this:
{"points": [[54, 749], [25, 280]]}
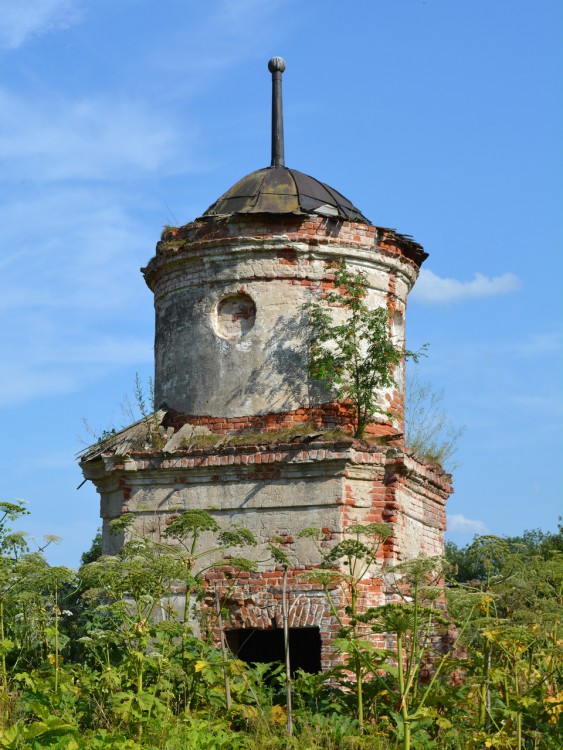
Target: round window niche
{"points": [[235, 316]]}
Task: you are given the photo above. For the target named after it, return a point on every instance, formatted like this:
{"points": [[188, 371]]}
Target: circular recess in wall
{"points": [[234, 316]]}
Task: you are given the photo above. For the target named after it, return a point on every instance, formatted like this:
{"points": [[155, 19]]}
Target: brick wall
{"points": [[254, 600], [310, 229], [277, 491], [325, 416], [277, 266]]}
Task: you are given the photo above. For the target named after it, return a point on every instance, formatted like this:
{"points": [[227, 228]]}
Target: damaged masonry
{"points": [[242, 431]]}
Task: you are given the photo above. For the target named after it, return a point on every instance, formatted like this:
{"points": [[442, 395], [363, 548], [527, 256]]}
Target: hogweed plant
{"points": [[343, 569], [514, 646], [422, 646], [31, 598], [412, 624], [134, 592], [109, 665], [12, 547]]}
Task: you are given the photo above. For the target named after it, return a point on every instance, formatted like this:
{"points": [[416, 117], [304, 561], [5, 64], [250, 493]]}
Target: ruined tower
{"points": [[231, 350]]}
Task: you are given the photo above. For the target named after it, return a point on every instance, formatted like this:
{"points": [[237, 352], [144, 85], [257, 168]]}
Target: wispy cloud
{"points": [[77, 246], [91, 138], [50, 460], [66, 367], [106, 350], [72, 223], [19, 382], [540, 403], [229, 31], [432, 289], [50, 358], [458, 523], [537, 344], [69, 277], [21, 20]]}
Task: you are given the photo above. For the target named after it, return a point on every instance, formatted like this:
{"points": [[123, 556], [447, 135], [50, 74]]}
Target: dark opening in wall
{"points": [[252, 644]]}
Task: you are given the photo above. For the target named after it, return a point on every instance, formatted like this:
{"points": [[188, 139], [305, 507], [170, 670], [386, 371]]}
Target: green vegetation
{"points": [[282, 435], [356, 354], [428, 429], [514, 647], [102, 659]]}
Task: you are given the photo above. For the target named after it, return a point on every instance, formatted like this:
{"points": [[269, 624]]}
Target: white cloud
{"points": [[458, 523], [433, 289], [75, 305], [90, 138], [21, 20], [232, 31], [537, 344], [58, 367], [70, 248], [19, 383]]}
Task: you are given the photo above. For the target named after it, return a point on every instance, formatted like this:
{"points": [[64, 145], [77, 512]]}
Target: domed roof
{"points": [[280, 190], [277, 189]]}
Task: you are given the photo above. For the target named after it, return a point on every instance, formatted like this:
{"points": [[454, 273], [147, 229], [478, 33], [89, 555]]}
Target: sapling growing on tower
{"points": [[355, 356]]}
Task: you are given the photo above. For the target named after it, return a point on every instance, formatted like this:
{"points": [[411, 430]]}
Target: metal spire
{"points": [[276, 66]]}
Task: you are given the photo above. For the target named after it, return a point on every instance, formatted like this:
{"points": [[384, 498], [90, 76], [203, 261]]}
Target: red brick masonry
{"points": [[377, 483], [324, 416]]}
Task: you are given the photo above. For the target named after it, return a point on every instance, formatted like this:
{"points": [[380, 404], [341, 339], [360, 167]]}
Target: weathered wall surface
{"points": [[271, 492], [230, 336], [421, 495], [277, 492], [231, 354]]}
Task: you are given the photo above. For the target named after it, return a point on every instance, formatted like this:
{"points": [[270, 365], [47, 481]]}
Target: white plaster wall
{"points": [[202, 373], [419, 526], [268, 508]]}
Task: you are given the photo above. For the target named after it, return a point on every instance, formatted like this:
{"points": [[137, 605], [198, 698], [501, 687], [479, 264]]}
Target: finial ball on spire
{"points": [[276, 64]]}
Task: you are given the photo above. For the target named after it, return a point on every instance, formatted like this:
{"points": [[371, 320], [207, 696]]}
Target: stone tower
{"points": [[231, 354]]}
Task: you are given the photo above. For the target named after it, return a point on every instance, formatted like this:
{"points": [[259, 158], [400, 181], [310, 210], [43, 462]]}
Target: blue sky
{"points": [[440, 118]]}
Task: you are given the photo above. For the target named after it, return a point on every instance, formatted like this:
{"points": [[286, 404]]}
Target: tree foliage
{"points": [[353, 354], [95, 550], [470, 563]]}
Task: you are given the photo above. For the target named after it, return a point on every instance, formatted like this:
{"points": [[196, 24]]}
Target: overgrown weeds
{"points": [[265, 437], [105, 658]]}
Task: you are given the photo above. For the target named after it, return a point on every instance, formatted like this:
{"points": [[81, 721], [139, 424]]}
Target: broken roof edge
{"points": [[122, 438], [174, 240], [167, 431], [410, 247]]}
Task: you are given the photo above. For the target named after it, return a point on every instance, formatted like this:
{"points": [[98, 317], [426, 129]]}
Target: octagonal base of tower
{"points": [[275, 490]]}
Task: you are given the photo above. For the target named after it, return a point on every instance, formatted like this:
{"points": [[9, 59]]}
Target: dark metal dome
{"points": [[279, 190]]}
